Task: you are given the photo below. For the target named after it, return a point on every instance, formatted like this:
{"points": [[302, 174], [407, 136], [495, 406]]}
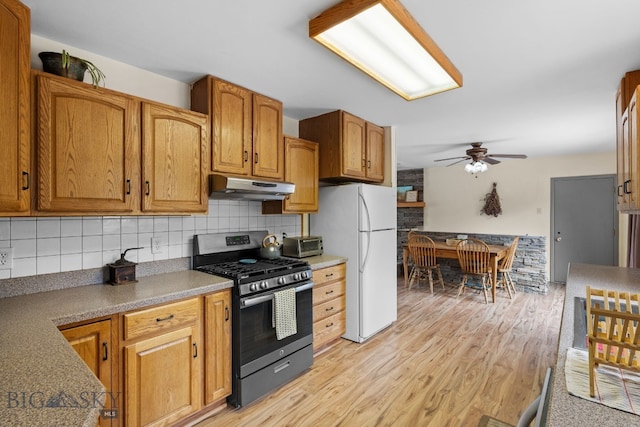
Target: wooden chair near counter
{"points": [[474, 257], [504, 269], [422, 251], [613, 331]]}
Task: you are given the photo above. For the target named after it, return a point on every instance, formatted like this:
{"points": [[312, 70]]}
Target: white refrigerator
{"points": [[359, 221]]}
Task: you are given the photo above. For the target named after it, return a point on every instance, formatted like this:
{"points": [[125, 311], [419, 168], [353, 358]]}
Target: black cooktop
{"points": [[254, 268]]}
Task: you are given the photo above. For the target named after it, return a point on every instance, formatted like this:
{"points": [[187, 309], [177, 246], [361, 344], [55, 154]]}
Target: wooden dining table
{"points": [[443, 250]]}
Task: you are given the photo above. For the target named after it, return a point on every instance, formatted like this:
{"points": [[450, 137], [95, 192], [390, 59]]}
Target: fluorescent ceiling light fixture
{"points": [[383, 40]]}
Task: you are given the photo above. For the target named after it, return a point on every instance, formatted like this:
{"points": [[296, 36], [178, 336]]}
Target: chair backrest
{"points": [[507, 262], [473, 256], [422, 249]]}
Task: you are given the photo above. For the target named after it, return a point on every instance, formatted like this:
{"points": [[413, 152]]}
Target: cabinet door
{"points": [[375, 152], [92, 342], [232, 135], [268, 145], [14, 108], [301, 168], [174, 153], [620, 149], [88, 148], [162, 378], [631, 151], [217, 365], [353, 146]]}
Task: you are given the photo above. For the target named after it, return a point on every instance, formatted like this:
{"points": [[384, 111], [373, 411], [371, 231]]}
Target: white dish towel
{"points": [[284, 313]]}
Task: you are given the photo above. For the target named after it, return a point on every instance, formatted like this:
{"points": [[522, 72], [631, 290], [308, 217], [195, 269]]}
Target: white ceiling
{"points": [[539, 76]]}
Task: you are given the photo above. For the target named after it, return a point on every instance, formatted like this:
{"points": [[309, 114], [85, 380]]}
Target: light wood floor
{"points": [[445, 362]]}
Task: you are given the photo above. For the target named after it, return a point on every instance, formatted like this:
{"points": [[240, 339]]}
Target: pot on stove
{"points": [[270, 248]]}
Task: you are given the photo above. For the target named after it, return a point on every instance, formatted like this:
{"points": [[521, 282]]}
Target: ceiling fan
{"points": [[479, 154]]}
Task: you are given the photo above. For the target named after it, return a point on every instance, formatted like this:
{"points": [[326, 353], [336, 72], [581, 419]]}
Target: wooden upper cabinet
{"points": [[627, 144], [88, 148], [375, 152], [174, 159], [268, 145], [15, 179], [351, 149], [246, 129], [301, 168]]}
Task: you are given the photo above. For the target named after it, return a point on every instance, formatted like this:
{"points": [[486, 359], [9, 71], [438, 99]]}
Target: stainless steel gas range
{"points": [[260, 361]]}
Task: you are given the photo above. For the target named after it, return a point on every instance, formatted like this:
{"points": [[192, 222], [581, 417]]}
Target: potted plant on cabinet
{"points": [[63, 64]]}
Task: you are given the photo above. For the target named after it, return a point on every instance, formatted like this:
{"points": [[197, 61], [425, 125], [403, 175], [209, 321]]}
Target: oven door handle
{"points": [[248, 302]]}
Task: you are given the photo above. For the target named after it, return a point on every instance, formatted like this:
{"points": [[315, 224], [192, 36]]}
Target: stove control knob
{"points": [[253, 287], [304, 275], [281, 280], [264, 285], [296, 276]]}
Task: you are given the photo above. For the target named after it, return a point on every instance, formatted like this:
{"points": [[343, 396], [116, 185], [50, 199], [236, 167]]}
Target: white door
{"points": [[378, 297]]}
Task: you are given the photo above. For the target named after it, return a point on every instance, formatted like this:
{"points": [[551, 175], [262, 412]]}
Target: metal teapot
{"points": [[270, 248]]}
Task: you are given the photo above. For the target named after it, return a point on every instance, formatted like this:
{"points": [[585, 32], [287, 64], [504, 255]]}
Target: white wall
{"points": [[454, 198]]}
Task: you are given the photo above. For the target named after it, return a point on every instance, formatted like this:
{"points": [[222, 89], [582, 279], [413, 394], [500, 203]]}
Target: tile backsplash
{"points": [[43, 245]]}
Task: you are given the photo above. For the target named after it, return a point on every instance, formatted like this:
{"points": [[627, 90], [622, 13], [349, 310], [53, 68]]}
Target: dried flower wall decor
{"points": [[492, 203]]}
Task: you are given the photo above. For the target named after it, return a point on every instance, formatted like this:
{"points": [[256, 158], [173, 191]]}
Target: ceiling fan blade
{"points": [[491, 161], [453, 158], [459, 161], [509, 156]]}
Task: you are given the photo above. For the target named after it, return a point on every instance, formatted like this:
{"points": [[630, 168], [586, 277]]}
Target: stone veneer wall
{"points": [[528, 271], [409, 217]]}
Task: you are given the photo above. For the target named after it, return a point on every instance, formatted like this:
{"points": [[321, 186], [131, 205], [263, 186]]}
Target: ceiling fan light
{"points": [[384, 41], [468, 168]]}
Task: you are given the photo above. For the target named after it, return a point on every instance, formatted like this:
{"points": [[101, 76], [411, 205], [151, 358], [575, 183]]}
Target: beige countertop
{"points": [[566, 410], [38, 366], [324, 261]]}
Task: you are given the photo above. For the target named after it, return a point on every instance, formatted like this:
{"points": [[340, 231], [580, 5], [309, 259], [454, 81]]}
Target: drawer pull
{"points": [[329, 325], [105, 347], [28, 180], [328, 275], [162, 319], [226, 314], [195, 350], [329, 309], [329, 292]]}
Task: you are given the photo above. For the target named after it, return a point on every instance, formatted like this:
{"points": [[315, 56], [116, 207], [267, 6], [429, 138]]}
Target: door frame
{"points": [[614, 209]]}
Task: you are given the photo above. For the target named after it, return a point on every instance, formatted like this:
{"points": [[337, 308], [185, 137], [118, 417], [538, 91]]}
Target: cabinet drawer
{"points": [[329, 274], [329, 308], [328, 329], [324, 293], [158, 319]]}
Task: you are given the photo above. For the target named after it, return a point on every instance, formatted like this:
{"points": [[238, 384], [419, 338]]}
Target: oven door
{"points": [[258, 345]]}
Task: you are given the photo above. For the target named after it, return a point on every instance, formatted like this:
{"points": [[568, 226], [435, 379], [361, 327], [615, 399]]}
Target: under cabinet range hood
{"points": [[228, 187]]}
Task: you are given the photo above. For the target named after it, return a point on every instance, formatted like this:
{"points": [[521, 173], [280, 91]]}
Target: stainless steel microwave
{"points": [[300, 247]]}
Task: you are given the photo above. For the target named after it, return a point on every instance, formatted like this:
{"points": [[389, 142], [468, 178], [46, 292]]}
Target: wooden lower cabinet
{"points": [[329, 303], [217, 342], [162, 367], [94, 344]]}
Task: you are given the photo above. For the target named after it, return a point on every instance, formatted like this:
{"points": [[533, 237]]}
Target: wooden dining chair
{"points": [[504, 268], [474, 258], [422, 251]]}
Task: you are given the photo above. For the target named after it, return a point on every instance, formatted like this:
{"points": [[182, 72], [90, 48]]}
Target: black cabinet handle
{"points": [[226, 314], [105, 348], [195, 350], [128, 186], [27, 180], [246, 156], [620, 189], [162, 319], [256, 158], [148, 188], [625, 187]]}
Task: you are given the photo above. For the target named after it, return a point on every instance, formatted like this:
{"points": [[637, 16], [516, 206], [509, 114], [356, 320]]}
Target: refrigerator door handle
{"points": [[368, 231]]}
